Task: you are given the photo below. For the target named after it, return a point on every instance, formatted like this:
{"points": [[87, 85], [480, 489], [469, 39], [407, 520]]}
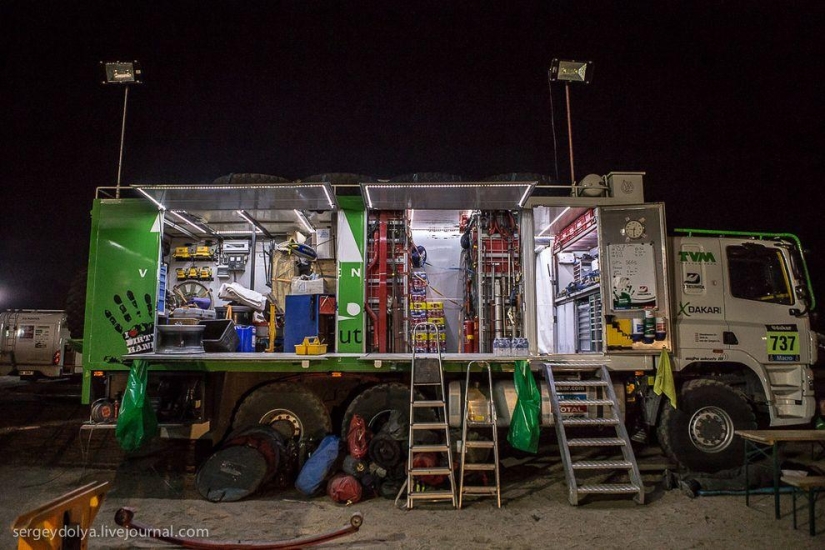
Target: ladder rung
{"points": [[479, 467], [602, 465], [426, 383], [608, 488], [479, 444], [571, 368], [440, 471], [429, 426], [421, 403], [587, 402], [578, 383], [590, 421], [479, 490], [473, 424], [429, 448], [596, 442], [431, 495]]}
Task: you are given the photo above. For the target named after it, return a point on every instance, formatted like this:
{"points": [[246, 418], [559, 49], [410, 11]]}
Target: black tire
{"points": [[292, 409], [76, 304], [699, 435], [375, 404]]}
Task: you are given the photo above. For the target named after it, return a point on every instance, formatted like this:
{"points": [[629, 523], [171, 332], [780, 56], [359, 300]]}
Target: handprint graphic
{"points": [[139, 321]]}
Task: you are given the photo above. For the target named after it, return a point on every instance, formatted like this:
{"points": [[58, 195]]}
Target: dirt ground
{"points": [[43, 454]]}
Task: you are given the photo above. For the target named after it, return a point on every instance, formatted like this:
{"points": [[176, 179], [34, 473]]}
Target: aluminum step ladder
{"points": [[427, 378], [474, 420], [596, 376]]}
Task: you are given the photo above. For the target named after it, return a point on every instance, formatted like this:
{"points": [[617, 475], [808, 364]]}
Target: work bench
{"points": [[766, 443]]}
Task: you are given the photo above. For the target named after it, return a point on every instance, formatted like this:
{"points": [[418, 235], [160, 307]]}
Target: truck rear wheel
{"points": [[291, 409], [700, 433], [375, 405]]}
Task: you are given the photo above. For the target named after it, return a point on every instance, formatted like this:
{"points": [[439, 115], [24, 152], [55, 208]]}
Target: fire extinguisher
{"points": [[469, 336]]}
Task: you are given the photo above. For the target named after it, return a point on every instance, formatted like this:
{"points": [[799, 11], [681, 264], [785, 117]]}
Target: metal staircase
{"points": [[475, 417], [593, 376], [427, 378]]}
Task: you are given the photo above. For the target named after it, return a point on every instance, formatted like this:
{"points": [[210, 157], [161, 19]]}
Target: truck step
{"points": [[580, 383], [602, 465], [608, 489], [596, 442], [590, 421]]}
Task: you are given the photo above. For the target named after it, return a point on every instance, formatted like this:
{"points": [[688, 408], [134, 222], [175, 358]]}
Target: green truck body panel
{"points": [[122, 284]]}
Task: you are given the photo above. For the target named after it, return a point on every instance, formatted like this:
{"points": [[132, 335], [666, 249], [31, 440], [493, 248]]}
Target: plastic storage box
{"points": [[219, 336]]}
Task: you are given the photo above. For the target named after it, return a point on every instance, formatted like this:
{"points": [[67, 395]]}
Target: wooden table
{"points": [[766, 443]]}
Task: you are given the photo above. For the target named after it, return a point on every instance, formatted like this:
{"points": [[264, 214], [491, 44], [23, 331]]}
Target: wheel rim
{"points": [[286, 422], [711, 429]]}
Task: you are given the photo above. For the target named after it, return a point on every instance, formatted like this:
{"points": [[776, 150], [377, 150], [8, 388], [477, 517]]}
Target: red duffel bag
{"points": [[358, 440], [344, 488]]}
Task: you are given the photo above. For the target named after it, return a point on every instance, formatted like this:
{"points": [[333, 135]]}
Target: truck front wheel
{"points": [[700, 433], [292, 409]]}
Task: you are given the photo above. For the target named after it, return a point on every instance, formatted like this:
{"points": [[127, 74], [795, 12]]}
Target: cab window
{"points": [[759, 273]]}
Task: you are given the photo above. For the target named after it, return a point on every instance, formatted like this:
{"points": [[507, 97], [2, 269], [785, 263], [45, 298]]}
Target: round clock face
{"points": [[634, 229]]}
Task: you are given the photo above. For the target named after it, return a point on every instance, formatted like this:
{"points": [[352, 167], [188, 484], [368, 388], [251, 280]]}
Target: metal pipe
{"points": [[122, 137], [569, 132], [482, 321], [252, 254]]}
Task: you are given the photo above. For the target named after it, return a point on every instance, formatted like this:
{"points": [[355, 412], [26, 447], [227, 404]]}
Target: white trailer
{"points": [[35, 342]]}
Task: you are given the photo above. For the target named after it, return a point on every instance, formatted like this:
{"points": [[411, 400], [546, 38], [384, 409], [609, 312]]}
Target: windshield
{"points": [[759, 273]]}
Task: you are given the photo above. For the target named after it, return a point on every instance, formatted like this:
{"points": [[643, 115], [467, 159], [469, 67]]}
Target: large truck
{"points": [[509, 268], [35, 343]]}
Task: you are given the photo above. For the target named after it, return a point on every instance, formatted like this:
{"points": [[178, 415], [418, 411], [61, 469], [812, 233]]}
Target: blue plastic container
{"points": [[246, 338]]}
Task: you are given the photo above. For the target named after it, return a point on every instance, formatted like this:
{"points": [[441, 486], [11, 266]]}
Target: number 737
{"points": [[782, 343]]}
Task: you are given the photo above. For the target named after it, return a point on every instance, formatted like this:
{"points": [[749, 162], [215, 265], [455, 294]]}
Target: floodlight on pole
{"points": [[570, 71], [122, 73]]}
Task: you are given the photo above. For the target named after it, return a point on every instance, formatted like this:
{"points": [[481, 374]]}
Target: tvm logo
{"points": [[697, 257]]}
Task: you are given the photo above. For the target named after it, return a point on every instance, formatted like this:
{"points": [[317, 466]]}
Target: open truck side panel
{"points": [[508, 270]]}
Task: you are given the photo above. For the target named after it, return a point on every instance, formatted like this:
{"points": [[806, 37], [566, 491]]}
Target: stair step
{"points": [[608, 489], [602, 465], [427, 403], [587, 402], [596, 442], [479, 467], [479, 490], [575, 368], [430, 448], [438, 471], [429, 426], [590, 421], [431, 495], [479, 444], [485, 424], [579, 383]]}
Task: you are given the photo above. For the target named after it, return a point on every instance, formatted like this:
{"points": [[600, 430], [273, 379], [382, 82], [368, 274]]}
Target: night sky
{"points": [[719, 102]]}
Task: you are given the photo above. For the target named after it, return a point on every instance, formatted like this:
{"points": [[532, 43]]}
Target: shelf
{"points": [[578, 294]]}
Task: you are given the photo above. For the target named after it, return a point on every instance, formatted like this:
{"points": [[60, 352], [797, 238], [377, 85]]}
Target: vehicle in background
{"points": [[35, 342]]}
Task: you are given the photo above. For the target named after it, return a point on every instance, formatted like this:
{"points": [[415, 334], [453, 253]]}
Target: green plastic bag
{"points": [[137, 422], [524, 426]]}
